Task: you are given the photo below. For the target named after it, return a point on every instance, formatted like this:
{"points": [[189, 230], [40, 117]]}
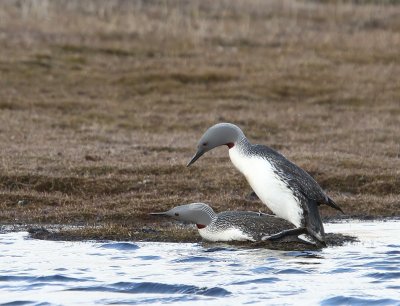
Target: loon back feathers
{"points": [[296, 178], [254, 224]]}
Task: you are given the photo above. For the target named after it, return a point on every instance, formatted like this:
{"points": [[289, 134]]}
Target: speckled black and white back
{"points": [[241, 226]]}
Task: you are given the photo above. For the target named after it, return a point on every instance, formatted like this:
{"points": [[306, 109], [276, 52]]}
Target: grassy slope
{"points": [[102, 103]]}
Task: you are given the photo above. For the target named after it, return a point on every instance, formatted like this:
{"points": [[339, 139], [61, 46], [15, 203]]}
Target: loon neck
{"points": [[203, 216], [211, 217], [241, 143]]}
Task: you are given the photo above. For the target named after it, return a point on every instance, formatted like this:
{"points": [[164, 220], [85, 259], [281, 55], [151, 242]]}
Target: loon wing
{"points": [[298, 179]]}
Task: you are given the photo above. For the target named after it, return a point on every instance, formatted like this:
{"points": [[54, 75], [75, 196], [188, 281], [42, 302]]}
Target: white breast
{"points": [[231, 234], [266, 184]]}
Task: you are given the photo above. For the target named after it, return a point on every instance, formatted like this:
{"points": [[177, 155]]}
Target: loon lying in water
{"points": [[227, 225], [289, 191]]}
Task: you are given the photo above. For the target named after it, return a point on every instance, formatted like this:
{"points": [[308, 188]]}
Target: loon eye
{"points": [[176, 214], [204, 144]]}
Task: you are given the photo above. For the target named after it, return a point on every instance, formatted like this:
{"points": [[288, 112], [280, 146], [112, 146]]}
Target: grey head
{"points": [[198, 213], [218, 135]]}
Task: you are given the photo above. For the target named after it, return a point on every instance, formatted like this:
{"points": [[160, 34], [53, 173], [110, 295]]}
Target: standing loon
{"points": [[227, 225], [288, 191]]}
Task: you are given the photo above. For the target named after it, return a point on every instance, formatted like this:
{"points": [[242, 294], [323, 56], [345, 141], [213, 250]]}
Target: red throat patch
{"points": [[230, 145], [200, 226]]}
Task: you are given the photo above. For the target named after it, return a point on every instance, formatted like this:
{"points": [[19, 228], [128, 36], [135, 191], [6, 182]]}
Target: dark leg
{"points": [[285, 233], [296, 232]]}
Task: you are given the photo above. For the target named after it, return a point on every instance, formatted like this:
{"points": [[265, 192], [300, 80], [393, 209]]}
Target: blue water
{"points": [[35, 272]]}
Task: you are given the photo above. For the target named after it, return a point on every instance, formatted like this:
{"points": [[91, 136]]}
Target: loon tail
{"points": [[332, 204]]}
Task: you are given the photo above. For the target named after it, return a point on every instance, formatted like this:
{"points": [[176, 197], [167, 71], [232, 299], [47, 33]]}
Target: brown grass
{"points": [[102, 103]]}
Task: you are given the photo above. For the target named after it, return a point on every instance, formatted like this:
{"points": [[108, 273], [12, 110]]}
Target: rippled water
{"points": [[53, 272]]}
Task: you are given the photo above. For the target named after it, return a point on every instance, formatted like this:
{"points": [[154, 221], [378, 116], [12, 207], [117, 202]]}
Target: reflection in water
{"points": [[362, 273]]}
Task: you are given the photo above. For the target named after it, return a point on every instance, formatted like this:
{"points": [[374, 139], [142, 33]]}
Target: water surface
{"points": [[34, 272]]}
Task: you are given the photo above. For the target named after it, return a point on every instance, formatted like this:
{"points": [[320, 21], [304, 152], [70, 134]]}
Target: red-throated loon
{"points": [[227, 225]]}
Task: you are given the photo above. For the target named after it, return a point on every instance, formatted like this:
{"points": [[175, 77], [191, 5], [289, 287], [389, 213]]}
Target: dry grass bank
{"points": [[102, 103]]}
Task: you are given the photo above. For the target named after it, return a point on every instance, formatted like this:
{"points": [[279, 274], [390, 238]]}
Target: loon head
{"points": [[198, 213], [218, 135]]}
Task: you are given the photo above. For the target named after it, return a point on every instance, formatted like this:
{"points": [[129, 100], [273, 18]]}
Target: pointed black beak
{"points": [[159, 214], [195, 157]]}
